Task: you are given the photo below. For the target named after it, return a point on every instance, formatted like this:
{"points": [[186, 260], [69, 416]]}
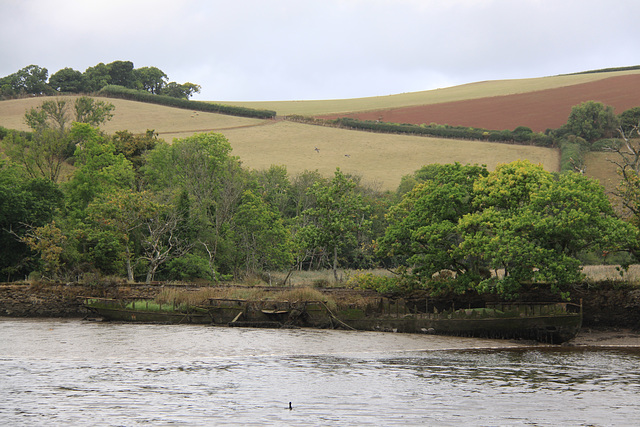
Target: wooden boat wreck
{"points": [[132, 311], [553, 323]]}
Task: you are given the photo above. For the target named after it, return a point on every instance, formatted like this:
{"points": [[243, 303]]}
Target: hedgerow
{"points": [[520, 135], [115, 91]]}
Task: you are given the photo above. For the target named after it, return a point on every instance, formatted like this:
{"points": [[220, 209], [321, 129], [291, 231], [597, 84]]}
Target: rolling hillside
{"points": [[381, 159], [485, 89]]}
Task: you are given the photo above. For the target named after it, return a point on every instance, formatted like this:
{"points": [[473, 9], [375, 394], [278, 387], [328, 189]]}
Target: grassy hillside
{"points": [[381, 159]]}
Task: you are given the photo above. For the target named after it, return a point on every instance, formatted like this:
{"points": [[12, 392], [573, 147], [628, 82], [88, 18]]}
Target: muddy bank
{"points": [[608, 305], [606, 337], [61, 300]]}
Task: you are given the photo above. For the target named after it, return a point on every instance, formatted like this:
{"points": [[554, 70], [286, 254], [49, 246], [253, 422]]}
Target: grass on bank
{"points": [[199, 297]]}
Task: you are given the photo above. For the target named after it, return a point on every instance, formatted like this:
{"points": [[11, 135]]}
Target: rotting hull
{"points": [[548, 329], [142, 316], [548, 323]]}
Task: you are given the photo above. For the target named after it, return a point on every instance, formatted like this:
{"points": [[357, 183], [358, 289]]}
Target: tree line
{"points": [[35, 80], [76, 203]]}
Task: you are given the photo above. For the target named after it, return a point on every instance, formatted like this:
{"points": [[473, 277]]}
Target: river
{"points": [[81, 373]]}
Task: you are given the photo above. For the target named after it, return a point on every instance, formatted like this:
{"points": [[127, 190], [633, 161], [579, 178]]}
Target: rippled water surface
{"points": [[57, 372]]}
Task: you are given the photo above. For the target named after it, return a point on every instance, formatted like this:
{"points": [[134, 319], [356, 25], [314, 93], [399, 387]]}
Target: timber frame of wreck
{"points": [[544, 322]]}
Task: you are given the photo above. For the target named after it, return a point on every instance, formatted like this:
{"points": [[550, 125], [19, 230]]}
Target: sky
{"points": [[270, 50]]}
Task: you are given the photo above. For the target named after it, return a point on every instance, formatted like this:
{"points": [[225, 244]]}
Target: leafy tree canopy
{"points": [[592, 120], [34, 80], [337, 217], [519, 221]]}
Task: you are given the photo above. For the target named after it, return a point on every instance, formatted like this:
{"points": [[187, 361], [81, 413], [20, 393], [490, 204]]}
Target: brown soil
{"points": [[541, 110]]}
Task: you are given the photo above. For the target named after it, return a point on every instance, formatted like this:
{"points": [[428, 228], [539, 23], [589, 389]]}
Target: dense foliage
{"points": [[35, 80], [136, 206]]}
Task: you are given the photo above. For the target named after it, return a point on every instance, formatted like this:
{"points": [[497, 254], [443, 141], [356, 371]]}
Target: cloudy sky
{"points": [[255, 50]]}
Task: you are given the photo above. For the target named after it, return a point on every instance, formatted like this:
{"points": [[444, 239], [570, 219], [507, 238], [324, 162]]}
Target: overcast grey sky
{"points": [[254, 50]]}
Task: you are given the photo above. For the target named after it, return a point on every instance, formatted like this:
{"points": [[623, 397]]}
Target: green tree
{"points": [[630, 121], [49, 241], [25, 204], [30, 80], [274, 186], [99, 169], [68, 80], [122, 213], [423, 229], [121, 73], [135, 147], [42, 155], [521, 221], [176, 90], [532, 225], [337, 218], [51, 114], [592, 120], [44, 152], [91, 111], [261, 240], [97, 77], [195, 164], [301, 197], [151, 79], [202, 166]]}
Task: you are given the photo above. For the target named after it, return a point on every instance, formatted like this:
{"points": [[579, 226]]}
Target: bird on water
{"points": [[290, 407]]}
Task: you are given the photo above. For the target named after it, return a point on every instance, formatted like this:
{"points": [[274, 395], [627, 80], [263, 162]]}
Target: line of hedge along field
{"points": [[521, 135], [114, 91]]}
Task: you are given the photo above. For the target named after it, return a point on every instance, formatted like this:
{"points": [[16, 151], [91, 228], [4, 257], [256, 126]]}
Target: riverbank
{"points": [[606, 337], [611, 313]]}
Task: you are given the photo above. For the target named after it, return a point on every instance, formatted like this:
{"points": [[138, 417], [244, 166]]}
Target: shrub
{"points": [[571, 155], [188, 267], [370, 281], [521, 134]]}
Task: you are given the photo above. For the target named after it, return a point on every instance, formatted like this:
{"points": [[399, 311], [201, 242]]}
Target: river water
{"points": [[73, 372]]}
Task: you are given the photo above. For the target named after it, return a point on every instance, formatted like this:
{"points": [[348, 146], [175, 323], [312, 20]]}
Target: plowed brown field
{"points": [[540, 110]]}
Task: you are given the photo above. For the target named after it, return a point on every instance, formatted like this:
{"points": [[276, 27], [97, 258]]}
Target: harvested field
{"points": [[381, 159], [539, 110], [465, 92], [135, 117]]}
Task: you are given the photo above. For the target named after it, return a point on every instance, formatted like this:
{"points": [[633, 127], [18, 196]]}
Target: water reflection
{"points": [[80, 373]]}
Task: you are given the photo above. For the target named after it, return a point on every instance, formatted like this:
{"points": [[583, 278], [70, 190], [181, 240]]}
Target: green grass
{"points": [[153, 306], [142, 305]]}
